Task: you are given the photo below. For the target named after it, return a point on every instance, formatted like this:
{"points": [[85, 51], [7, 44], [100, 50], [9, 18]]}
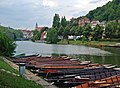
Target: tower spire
{"points": [[36, 26]]}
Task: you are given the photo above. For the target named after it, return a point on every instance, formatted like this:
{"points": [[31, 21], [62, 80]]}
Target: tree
{"points": [[97, 32], [63, 22], [60, 31], [87, 32], [79, 31], [52, 36], [7, 45], [112, 30], [36, 35], [56, 21], [66, 32], [111, 12]]}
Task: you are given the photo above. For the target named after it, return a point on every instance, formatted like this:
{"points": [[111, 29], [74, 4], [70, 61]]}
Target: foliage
{"points": [[110, 11], [63, 22], [112, 30], [12, 33], [87, 32], [73, 22], [60, 30], [7, 45], [56, 21], [36, 35], [66, 32], [52, 36], [98, 31]]}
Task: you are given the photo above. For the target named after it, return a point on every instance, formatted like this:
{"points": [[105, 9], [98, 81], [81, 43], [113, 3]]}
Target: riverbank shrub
{"points": [[7, 45]]}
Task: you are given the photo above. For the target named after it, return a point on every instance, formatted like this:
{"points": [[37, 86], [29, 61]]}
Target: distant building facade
{"points": [[84, 21], [27, 33], [44, 32], [94, 23]]}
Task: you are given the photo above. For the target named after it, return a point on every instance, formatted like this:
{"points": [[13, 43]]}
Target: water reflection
{"points": [[41, 48], [105, 55]]}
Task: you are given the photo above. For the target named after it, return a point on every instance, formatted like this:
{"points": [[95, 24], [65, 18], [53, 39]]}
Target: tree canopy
{"points": [[110, 11], [7, 45], [56, 21]]}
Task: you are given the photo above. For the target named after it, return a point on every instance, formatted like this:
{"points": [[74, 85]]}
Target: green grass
{"points": [[8, 80], [88, 43], [4, 65]]}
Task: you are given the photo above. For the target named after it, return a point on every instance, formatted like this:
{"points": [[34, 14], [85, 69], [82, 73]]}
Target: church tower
{"points": [[36, 26]]}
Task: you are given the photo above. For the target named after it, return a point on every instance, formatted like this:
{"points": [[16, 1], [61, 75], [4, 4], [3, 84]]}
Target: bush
{"points": [[7, 45]]}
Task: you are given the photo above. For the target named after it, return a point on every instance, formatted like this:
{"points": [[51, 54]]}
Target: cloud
{"points": [[95, 1], [98, 1], [25, 13], [49, 3]]}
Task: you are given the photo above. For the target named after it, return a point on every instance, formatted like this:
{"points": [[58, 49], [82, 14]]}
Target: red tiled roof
{"points": [[39, 28]]}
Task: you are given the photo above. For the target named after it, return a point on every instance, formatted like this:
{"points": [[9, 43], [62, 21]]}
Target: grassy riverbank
{"points": [[4, 65], [88, 43], [9, 79]]}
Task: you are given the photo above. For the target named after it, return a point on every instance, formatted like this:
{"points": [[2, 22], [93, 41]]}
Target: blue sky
{"points": [[25, 13]]}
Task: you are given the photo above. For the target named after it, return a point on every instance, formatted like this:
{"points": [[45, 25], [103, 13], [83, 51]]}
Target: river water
{"points": [[105, 55]]}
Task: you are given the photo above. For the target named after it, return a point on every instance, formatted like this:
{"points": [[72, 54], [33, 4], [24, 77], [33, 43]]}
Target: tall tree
{"points": [[56, 21], [66, 32], [63, 22]]}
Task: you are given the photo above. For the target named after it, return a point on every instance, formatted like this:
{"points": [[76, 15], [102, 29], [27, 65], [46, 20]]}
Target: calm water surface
{"points": [[104, 55]]}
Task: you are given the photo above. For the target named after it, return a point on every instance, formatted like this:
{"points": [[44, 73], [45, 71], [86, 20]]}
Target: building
{"points": [[44, 32], [44, 35], [38, 28], [94, 23], [84, 21], [27, 33]]}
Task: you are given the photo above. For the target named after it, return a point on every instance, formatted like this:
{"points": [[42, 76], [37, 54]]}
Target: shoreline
{"points": [[91, 43]]}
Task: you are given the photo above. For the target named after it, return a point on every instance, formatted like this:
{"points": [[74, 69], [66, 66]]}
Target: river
{"points": [[105, 55]]}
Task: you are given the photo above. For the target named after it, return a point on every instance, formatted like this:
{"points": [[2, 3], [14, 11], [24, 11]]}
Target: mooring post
{"points": [[22, 69]]}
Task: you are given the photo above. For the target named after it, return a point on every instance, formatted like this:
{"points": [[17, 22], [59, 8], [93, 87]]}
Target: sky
{"points": [[25, 13]]}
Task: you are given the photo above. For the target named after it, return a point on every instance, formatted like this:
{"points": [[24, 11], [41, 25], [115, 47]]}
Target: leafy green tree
{"points": [[52, 36], [63, 22], [72, 30], [66, 32], [61, 31], [73, 22], [87, 32], [56, 21], [79, 31], [97, 32], [7, 45], [112, 30], [36, 35], [12, 33], [111, 12]]}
